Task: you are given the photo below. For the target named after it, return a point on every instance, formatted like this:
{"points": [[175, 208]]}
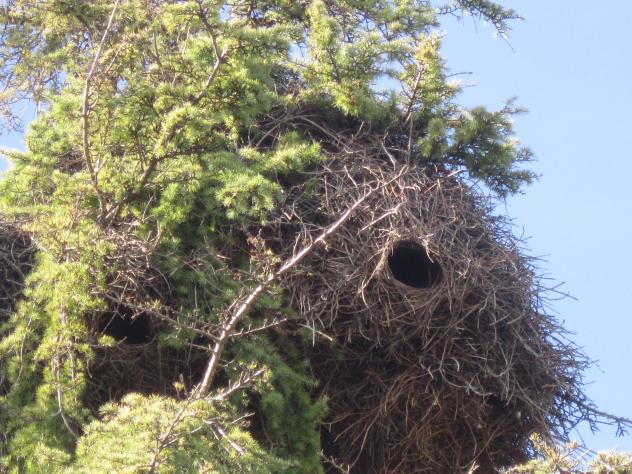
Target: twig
{"points": [[245, 380], [60, 404], [86, 108], [167, 438], [165, 137]]}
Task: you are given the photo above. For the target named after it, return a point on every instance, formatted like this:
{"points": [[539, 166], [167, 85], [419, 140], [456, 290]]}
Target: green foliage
{"points": [[44, 355], [151, 135], [571, 458], [288, 413], [172, 437], [484, 142]]}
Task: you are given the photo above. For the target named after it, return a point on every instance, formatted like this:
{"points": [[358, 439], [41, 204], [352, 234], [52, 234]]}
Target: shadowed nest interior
{"points": [[135, 315], [16, 260], [136, 362], [441, 353]]}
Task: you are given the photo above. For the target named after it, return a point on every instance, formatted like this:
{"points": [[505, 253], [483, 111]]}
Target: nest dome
{"points": [[440, 354]]}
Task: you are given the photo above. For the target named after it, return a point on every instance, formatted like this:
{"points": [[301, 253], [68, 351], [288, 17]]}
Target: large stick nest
{"points": [[431, 339], [443, 355]]}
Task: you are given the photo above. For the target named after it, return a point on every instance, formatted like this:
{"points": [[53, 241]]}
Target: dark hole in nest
{"points": [[410, 264], [128, 328], [494, 402]]}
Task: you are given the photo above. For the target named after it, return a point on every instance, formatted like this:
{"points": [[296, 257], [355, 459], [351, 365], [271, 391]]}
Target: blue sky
{"points": [[570, 64]]}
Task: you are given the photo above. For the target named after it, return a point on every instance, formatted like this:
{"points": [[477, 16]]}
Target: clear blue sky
{"points": [[570, 63]]}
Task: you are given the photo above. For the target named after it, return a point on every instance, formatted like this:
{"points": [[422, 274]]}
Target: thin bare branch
{"points": [[86, 109], [242, 309]]}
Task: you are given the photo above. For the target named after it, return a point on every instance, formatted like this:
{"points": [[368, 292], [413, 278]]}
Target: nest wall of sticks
{"points": [[439, 355], [16, 259]]}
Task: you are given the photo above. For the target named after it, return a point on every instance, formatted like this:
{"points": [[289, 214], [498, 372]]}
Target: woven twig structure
{"points": [[16, 260], [440, 354]]}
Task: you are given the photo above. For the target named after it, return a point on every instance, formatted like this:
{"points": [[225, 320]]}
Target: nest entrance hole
{"points": [[410, 264], [132, 329]]}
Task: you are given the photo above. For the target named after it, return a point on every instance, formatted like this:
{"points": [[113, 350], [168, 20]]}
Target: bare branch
{"points": [[169, 437], [60, 403], [86, 108], [263, 327], [242, 309], [245, 380], [249, 301], [165, 137]]}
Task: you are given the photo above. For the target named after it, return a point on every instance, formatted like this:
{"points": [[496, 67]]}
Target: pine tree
{"points": [[573, 458], [147, 173]]}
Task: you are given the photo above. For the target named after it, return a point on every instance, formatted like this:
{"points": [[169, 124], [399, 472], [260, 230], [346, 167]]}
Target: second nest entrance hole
{"points": [[132, 329], [410, 264]]}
